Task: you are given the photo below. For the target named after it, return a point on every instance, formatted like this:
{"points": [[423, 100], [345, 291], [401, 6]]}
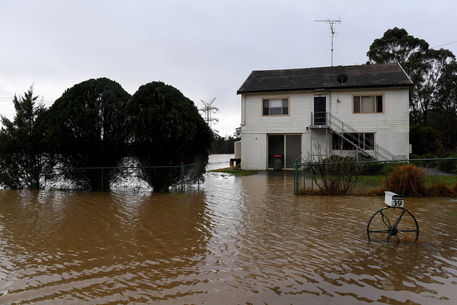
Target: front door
{"points": [[320, 110]]}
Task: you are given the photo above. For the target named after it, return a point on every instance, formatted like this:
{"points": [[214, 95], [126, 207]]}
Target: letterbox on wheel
{"points": [[394, 200]]}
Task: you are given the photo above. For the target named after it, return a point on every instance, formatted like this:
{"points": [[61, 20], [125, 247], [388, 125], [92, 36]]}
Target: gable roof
{"points": [[361, 76]]}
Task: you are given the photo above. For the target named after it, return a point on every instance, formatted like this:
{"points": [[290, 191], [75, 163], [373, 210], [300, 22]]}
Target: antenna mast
{"points": [[330, 22], [207, 111]]}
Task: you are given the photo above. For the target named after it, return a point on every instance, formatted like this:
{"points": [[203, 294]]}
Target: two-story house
{"points": [[300, 114]]}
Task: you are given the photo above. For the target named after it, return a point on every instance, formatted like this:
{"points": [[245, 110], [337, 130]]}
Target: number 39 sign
{"points": [[394, 200]]}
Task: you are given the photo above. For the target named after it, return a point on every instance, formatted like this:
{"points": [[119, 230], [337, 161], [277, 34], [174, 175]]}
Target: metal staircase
{"points": [[326, 120]]}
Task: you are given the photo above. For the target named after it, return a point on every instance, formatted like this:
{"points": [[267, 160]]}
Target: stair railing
{"points": [[363, 144]]}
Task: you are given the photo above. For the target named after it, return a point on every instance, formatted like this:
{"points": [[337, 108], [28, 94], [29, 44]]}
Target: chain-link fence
{"points": [[352, 177], [88, 178]]}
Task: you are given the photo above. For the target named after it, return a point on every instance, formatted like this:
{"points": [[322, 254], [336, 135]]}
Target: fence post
{"points": [[102, 180], [34, 179], [385, 173], [182, 178], [296, 177]]}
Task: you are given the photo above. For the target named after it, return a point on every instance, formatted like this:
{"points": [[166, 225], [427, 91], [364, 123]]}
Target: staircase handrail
{"points": [[347, 129], [353, 136]]}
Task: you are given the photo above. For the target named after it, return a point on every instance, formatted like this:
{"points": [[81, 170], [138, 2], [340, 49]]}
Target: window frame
{"points": [[282, 100], [376, 106], [341, 144]]}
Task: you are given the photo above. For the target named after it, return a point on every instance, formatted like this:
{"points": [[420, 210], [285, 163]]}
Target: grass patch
{"points": [[429, 180], [368, 185], [449, 180], [236, 172]]}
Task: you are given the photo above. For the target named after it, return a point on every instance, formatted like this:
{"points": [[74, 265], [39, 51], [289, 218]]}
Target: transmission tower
{"points": [[208, 110], [330, 22]]}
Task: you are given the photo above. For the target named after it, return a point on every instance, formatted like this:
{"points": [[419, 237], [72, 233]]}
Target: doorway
{"points": [[320, 110], [288, 146]]}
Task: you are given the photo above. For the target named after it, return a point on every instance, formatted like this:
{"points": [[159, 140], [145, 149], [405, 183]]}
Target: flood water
{"points": [[235, 240]]}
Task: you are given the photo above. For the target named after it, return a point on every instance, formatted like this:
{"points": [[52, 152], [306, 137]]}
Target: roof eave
{"points": [[323, 88]]}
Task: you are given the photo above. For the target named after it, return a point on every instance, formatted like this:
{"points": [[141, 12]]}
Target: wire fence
{"points": [[369, 175], [123, 177]]}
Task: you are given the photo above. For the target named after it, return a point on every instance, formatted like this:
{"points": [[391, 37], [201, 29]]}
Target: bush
{"points": [[440, 189], [391, 166], [335, 175], [414, 156], [454, 188], [424, 139], [408, 180], [372, 168], [449, 164]]}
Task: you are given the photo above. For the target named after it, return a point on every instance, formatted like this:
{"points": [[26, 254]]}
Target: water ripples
{"points": [[234, 240]]}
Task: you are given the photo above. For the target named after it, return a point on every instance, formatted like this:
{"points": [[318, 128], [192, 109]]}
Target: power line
{"points": [[442, 45], [10, 99]]}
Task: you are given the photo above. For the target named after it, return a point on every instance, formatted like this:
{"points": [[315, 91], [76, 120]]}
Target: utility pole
{"points": [[208, 110], [330, 22]]}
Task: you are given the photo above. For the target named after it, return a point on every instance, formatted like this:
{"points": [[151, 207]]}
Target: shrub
{"points": [[449, 164], [414, 156], [408, 180], [424, 139], [454, 188], [441, 189], [335, 175], [391, 166], [372, 168]]}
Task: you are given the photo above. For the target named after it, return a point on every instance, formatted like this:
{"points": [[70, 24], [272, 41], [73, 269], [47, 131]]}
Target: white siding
{"points": [[299, 114], [253, 151], [394, 118], [391, 128]]}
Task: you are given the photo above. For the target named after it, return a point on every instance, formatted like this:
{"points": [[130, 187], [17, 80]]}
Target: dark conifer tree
{"points": [[167, 130], [22, 157]]}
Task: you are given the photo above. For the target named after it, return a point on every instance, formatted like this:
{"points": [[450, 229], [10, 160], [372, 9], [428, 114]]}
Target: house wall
{"points": [[254, 151], [255, 127], [391, 128]]}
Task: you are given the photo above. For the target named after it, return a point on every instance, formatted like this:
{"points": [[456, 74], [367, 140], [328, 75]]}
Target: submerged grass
{"points": [[429, 180], [435, 186], [236, 172], [448, 179], [407, 179]]}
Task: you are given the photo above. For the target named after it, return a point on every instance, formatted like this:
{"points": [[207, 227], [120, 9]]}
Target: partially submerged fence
{"points": [[366, 175], [126, 177]]}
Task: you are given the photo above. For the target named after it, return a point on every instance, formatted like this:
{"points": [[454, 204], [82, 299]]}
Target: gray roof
{"points": [[361, 76]]}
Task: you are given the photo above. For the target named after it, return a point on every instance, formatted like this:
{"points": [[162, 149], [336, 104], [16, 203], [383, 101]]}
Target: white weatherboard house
{"points": [[309, 114]]}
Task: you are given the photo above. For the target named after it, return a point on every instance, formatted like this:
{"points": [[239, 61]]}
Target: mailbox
{"points": [[394, 200]]}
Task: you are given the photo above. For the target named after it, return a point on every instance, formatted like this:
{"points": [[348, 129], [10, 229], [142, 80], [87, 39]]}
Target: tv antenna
{"points": [[208, 110], [331, 22]]}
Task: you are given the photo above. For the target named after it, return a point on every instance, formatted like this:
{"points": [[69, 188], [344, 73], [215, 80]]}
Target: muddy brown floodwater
{"points": [[235, 240]]}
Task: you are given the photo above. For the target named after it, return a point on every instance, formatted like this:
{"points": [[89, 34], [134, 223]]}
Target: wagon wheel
{"points": [[393, 223]]}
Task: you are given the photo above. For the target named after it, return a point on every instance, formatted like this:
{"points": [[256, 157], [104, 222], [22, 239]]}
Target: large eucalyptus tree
{"points": [[432, 98]]}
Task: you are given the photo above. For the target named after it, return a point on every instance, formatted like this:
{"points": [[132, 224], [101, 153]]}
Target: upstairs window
{"points": [[278, 106], [368, 104]]}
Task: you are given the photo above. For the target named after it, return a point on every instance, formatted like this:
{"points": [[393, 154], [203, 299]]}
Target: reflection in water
{"points": [[91, 243], [235, 240]]}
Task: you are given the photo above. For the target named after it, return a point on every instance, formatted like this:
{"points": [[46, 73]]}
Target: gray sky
{"points": [[204, 48]]}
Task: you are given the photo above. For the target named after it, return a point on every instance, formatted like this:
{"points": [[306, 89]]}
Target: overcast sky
{"points": [[204, 48]]}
